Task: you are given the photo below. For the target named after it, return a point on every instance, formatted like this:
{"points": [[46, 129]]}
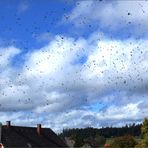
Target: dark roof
{"points": [[24, 137]]}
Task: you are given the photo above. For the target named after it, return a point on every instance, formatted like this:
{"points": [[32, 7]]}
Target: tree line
{"points": [[107, 132]]}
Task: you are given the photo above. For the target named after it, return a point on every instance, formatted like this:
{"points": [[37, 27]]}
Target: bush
{"points": [[124, 142], [79, 141], [100, 140]]}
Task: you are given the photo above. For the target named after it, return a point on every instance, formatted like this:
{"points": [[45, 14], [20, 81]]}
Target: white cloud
{"points": [[6, 55], [114, 15], [84, 118], [52, 83], [77, 118]]}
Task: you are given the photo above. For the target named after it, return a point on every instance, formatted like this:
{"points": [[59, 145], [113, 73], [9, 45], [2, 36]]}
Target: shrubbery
{"points": [[100, 140], [124, 142], [97, 141]]}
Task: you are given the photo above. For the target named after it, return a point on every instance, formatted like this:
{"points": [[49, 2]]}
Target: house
{"points": [[28, 137]]}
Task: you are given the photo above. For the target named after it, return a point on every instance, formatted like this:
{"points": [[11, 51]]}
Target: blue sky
{"points": [[74, 64], [23, 20]]}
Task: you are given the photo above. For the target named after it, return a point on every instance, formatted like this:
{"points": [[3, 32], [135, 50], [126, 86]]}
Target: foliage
{"points": [[124, 142], [79, 141], [100, 140], [144, 128], [144, 131], [97, 135], [84, 138], [107, 132]]}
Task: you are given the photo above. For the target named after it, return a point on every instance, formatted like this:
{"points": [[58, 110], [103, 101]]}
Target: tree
{"points": [[144, 128], [107, 132], [124, 142], [144, 131]]}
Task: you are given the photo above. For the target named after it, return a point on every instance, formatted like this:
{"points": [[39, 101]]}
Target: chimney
{"points": [[8, 124], [39, 128]]}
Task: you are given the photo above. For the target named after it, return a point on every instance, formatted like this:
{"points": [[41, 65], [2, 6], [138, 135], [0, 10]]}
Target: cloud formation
{"points": [[114, 16], [57, 86]]}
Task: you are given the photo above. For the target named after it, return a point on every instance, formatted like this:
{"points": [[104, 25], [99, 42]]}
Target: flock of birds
{"points": [[33, 31]]}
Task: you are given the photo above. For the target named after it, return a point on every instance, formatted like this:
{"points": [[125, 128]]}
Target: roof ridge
{"points": [[26, 126]]}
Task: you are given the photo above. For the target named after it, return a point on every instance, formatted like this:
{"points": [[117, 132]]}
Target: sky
{"points": [[73, 64]]}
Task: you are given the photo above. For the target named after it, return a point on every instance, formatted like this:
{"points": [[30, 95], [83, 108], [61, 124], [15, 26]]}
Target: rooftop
{"points": [[18, 136]]}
